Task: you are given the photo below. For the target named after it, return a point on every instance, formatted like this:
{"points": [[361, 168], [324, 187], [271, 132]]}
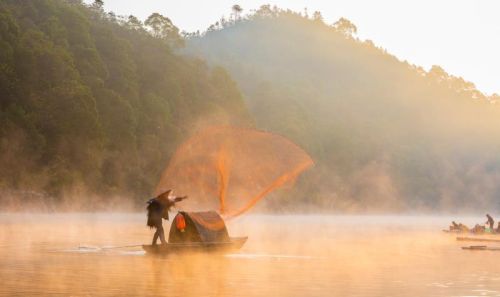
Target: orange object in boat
{"points": [[180, 222]]}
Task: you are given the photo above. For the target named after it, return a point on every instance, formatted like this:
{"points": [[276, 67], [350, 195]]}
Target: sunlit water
{"points": [[71, 255]]}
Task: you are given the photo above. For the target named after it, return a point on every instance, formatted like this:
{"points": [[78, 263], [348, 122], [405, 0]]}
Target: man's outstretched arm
{"points": [[179, 199]]}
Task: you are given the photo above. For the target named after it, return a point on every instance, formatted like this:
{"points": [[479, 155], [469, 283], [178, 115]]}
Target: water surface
{"points": [[72, 255]]}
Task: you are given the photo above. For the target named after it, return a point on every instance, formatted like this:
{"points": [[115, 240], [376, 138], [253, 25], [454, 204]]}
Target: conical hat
{"points": [[163, 197]]}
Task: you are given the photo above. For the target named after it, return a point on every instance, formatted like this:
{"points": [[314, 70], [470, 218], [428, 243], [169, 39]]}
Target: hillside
{"points": [[92, 105], [385, 134]]}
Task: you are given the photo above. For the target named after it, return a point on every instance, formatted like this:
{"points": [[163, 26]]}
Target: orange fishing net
{"points": [[231, 169]]}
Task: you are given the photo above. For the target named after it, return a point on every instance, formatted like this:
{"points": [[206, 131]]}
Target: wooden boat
{"points": [[481, 248], [235, 243], [470, 232], [197, 232], [481, 239]]}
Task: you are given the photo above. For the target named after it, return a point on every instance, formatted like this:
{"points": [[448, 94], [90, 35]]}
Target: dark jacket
{"points": [[156, 212], [158, 209]]}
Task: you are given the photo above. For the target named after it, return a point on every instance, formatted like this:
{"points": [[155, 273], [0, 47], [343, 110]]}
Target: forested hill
{"points": [[385, 134], [92, 104]]}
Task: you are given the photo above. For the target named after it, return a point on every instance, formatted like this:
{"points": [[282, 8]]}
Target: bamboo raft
{"points": [[481, 248], [477, 239]]}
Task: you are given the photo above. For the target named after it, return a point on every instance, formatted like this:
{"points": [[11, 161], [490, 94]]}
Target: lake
{"points": [[285, 255]]}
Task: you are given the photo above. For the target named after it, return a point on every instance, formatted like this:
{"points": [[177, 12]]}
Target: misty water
{"points": [[293, 255]]}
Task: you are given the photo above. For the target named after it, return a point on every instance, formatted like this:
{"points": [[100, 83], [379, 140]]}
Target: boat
{"points": [[233, 244], [197, 232], [481, 239], [470, 232], [481, 248]]}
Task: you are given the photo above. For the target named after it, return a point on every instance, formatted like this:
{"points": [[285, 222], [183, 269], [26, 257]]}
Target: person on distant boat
{"points": [[454, 226], [158, 209], [490, 222]]}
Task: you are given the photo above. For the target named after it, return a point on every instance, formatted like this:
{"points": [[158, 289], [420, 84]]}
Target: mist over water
{"points": [[289, 255]]}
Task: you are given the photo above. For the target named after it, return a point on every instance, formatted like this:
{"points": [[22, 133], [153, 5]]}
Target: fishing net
{"points": [[231, 169]]}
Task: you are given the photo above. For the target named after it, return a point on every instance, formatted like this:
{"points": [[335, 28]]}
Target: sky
{"points": [[462, 36]]}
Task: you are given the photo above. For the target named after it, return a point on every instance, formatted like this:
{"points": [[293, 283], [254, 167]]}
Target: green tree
{"points": [[317, 16], [236, 9], [134, 23], [163, 28], [98, 4], [345, 27]]}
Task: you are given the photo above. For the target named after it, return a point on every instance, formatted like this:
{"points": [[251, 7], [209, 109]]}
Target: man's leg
{"points": [[155, 237], [162, 235]]}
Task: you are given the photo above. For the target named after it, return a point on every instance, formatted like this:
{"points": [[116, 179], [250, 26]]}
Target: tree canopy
{"points": [[385, 134], [93, 104]]}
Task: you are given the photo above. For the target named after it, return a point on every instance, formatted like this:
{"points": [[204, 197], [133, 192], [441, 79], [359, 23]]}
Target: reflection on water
{"points": [[75, 255]]}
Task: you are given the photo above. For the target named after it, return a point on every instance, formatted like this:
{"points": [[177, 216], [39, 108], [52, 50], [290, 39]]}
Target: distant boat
{"points": [[197, 231], [471, 232], [481, 248]]}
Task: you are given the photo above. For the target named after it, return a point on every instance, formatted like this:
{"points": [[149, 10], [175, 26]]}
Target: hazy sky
{"points": [[462, 36]]}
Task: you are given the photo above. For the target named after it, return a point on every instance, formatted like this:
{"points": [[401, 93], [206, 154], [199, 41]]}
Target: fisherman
{"points": [[490, 222], [454, 226], [158, 209]]}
